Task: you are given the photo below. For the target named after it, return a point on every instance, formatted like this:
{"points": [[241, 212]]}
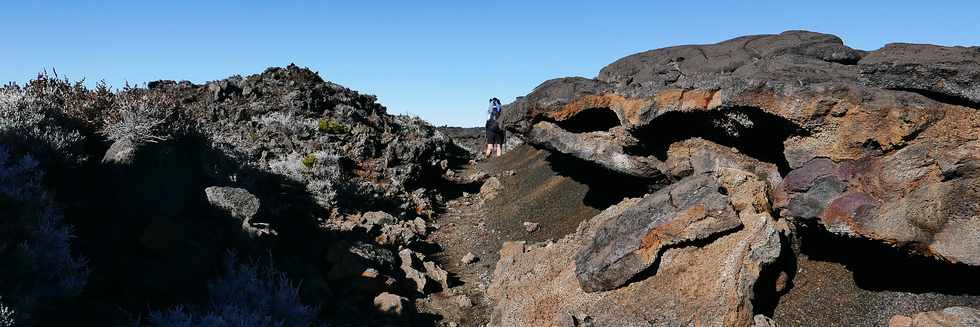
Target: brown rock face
{"points": [[708, 284], [883, 145], [691, 210]]}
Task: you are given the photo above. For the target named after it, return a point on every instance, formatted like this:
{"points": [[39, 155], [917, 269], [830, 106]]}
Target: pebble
{"points": [[469, 258], [530, 227], [463, 301]]}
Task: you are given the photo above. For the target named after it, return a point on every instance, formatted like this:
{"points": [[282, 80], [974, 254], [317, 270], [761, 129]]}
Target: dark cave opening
{"points": [[606, 187], [881, 267], [752, 131], [590, 120], [775, 280]]}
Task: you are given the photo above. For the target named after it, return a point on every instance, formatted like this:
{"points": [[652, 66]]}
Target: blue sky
{"points": [[440, 60]]}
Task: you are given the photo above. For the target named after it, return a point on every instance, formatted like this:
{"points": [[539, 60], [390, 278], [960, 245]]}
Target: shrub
{"points": [[39, 270], [331, 126], [309, 160], [320, 171], [33, 118], [245, 295], [6, 315], [142, 117]]}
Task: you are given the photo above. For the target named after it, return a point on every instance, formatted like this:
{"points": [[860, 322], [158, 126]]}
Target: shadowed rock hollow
{"points": [[881, 146]]}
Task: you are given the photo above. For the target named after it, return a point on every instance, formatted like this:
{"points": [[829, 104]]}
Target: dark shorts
{"points": [[495, 135]]}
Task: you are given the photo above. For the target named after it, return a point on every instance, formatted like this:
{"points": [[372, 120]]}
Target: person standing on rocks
{"points": [[495, 135]]}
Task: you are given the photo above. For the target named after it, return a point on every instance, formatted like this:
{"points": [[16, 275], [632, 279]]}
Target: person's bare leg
{"points": [[486, 154], [499, 147]]}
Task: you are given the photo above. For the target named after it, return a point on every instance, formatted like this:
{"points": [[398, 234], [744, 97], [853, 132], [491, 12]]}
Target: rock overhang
{"points": [[880, 145]]}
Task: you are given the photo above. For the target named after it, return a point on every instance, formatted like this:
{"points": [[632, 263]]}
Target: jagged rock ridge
{"points": [[179, 191]]}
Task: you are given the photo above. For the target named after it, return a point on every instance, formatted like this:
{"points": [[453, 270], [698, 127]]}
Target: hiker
{"points": [[495, 134]]}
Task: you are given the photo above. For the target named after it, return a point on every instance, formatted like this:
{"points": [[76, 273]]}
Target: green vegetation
{"points": [[331, 126], [309, 160]]}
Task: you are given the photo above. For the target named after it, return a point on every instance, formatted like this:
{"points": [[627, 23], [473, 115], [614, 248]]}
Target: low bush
{"points": [[6, 315], [331, 126], [245, 295], [141, 117], [39, 270], [33, 120]]}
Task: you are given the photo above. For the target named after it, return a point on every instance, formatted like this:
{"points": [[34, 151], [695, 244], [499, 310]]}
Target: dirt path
{"points": [[535, 187]]}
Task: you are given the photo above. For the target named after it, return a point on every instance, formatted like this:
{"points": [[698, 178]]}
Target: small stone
{"points": [[462, 301], [762, 321], [378, 218], [408, 264], [469, 258], [370, 273], [490, 188], [437, 274], [391, 304], [530, 227], [782, 281]]}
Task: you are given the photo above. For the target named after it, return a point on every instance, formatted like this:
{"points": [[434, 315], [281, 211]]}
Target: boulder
{"points": [[691, 210], [390, 304], [914, 198], [237, 202], [240, 205], [611, 279], [152, 181], [122, 152]]}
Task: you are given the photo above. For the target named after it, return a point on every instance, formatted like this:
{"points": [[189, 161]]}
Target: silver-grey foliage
{"points": [[140, 119], [35, 249], [246, 295], [6, 315], [32, 116]]}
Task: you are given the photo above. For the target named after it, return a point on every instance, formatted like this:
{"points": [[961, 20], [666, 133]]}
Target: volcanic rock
{"points": [[238, 203], [691, 210], [949, 317], [530, 227], [708, 283], [410, 261], [437, 274], [391, 304], [882, 145], [376, 219], [468, 258], [403, 233], [949, 72]]}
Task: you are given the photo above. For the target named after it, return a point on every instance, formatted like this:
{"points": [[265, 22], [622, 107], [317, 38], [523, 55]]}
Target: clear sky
{"points": [[440, 60]]}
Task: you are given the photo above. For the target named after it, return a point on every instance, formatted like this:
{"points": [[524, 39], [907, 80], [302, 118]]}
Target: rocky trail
{"points": [[518, 197]]}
